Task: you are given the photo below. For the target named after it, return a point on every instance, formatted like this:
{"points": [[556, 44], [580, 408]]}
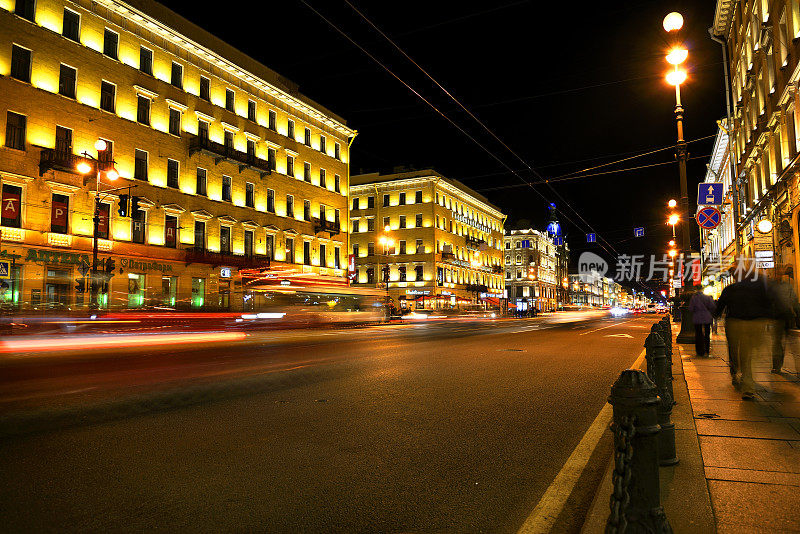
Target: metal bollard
{"points": [[657, 371], [636, 497], [666, 335]]}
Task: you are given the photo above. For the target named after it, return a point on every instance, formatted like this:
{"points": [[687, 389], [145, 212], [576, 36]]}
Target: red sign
{"points": [[11, 204], [708, 217], [171, 231], [102, 224], [351, 267], [59, 212]]}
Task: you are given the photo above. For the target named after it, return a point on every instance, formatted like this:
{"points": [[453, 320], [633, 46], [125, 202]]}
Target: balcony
{"points": [[324, 225], [473, 243], [221, 152], [200, 255], [498, 269], [60, 160]]}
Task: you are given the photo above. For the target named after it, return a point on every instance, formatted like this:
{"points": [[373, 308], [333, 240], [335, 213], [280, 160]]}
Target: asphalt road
{"points": [[456, 427]]}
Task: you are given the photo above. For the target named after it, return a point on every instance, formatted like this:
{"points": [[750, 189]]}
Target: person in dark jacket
{"points": [[702, 307], [787, 311], [749, 308]]}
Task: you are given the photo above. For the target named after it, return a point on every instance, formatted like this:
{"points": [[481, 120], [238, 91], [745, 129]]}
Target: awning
{"points": [[492, 300]]}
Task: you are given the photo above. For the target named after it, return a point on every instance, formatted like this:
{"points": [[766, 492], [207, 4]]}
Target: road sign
{"points": [[558, 240], [764, 255], [83, 269], [638, 231], [5, 270], [709, 194], [708, 218], [591, 238]]}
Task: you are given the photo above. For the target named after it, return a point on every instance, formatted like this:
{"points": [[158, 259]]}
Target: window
{"points": [[307, 210], [172, 173], [418, 197], [307, 172], [307, 137], [251, 150], [143, 110], [337, 264], [71, 27], [418, 221], [200, 235], [140, 165], [251, 110], [169, 290], [25, 9], [420, 249], [323, 182], [15, 130], [337, 151], [170, 231], [198, 292], [401, 271], [370, 202], [66, 81], [289, 206], [271, 200], [355, 249], [176, 78], [371, 224], [402, 199], [307, 252], [323, 216], [370, 275], [370, 249], [289, 250], [337, 183], [230, 99], [386, 222], [146, 60], [290, 129], [322, 144], [356, 203], [136, 289], [63, 140], [174, 122], [138, 226], [249, 195], [225, 239], [110, 43], [273, 120], [270, 247], [402, 246], [418, 273], [226, 188], [20, 63], [12, 206], [248, 243], [228, 139], [402, 221], [108, 96], [202, 130], [205, 88], [356, 223], [272, 158], [106, 157], [59, 214], [337, 218], [200, 188], [385, 200], [290, 166], [323, 253]]}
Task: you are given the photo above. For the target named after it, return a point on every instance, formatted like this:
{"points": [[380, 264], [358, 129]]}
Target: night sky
{"points": [[565, 86]]}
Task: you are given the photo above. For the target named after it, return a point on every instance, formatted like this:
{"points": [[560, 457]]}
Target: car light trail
{"points": [[115, 341]]}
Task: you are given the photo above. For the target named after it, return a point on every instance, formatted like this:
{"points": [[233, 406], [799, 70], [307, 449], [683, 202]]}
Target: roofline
{"points": [[723, 14]]}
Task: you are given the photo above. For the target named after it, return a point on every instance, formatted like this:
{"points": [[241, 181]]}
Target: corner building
{"points": [[236, 172], [431, 241]]}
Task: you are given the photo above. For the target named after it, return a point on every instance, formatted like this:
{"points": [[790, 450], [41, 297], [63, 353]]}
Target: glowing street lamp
{"points": [[673, 219], [676, 77], [673, 22], [677, 56], [672, 203], [672, 242], [673, 253]]}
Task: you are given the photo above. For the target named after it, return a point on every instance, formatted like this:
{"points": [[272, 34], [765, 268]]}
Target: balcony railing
{"points": [[201, 255], [474, 243], [60, 160], [324, 225], [498, 269], [221, 152]]}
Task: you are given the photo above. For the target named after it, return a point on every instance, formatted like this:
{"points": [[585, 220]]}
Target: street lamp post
{"points": [[387, 243], [112, 175]]}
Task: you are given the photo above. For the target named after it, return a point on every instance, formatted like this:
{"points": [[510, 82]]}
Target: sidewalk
{"points": [[750, 449]]}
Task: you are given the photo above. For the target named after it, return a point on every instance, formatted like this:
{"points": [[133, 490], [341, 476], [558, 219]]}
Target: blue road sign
{"points": [[558, 240], [709, 194], [638, 231], [708, 218], [591, 238], [5, 269]]}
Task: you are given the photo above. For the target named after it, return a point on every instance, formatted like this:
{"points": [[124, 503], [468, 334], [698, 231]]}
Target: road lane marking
{"points": [[542, 519], [604, 327], [628, 336]]}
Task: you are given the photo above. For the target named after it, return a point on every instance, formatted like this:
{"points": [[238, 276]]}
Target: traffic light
{"points": [[111, 264], [134, 204], [80, 286], [123, 206]]}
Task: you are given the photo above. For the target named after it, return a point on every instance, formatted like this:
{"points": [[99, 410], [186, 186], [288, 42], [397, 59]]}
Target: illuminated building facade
{"points": [[233, 168], [435, 242], [530, 267]]}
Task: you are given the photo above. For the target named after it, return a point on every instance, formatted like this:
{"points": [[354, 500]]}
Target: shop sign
{"points": [[351, 267], [418, 292], [225, 272], [5, 270], [51, 256], [136, 265], [466, 220]]}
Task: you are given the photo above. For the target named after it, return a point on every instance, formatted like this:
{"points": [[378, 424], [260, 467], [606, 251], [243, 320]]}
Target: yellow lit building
{"points": [[435, 242], [530, 262], [233, 168]]}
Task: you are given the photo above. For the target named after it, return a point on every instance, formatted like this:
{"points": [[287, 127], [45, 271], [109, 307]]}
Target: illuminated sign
{"points": [[351, 267], [466, 220], [225, 272]]}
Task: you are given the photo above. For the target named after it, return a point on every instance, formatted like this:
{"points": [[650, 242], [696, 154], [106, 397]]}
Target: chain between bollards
{"points": [[657, 365]]}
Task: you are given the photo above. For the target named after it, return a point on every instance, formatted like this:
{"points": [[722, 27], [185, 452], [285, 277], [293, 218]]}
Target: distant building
{"points": [[531, 270], [595, 291], [433, 242]]}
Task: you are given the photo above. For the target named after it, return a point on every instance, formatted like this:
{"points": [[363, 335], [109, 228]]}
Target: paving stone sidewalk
{"points": [[750, 448]]}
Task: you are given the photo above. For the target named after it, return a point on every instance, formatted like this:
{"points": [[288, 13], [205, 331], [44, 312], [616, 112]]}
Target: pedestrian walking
{"points": [[749, 307], [787, 311], [702, 307]]}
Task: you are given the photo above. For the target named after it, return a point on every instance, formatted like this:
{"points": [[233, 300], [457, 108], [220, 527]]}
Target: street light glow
{"points": [[673, 219], [676, 77], [677, 56], [673, 22], [764, 226], [672, 242], [673, 253], [672, 203], [100, 145], [112, 174], [84, 168]]}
